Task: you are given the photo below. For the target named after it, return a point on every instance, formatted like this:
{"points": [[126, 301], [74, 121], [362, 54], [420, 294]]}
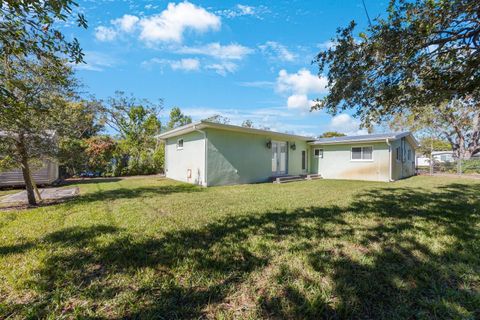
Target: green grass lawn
{"points": [[153, 248]]}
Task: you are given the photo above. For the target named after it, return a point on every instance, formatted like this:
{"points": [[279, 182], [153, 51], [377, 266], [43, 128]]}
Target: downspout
{"points": [[205, 145], [389, 161]]}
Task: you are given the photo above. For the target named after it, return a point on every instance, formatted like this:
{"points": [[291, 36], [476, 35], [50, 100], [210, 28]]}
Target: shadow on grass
{"points": [[75, 181], [138, 192], [419, 258]]}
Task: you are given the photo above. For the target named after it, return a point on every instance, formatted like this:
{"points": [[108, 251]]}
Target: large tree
{"points": [[137, 123], [34, 79], [35, 113], [422, 58], [85, 119]]}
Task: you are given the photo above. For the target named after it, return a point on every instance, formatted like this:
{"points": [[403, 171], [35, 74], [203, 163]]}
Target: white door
{"points": [[279, 158]]}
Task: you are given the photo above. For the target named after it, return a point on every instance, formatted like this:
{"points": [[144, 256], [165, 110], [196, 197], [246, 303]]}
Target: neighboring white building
{"points": [[438, 156], [47, 173]]}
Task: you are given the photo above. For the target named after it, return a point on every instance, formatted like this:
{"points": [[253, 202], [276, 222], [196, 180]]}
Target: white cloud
{"points": [[96, 61], [276, 51], [243, 10], [186, 64], [189, 64], [105, 33], [171, 23], [301, 82], [223, 68], [225, 52], [299, 85], [257, 84], [345, 123], [299, 101], [127, 23], [167, 26]]}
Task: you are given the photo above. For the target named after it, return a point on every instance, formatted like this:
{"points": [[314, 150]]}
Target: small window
{"points": [[409, 154], [398, 153], [356, 153], [318, 153], [362, 153], [179, 144]]}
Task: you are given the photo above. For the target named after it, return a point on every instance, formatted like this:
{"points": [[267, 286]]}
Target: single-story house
{"points": [[45, 174], [210, 154]]}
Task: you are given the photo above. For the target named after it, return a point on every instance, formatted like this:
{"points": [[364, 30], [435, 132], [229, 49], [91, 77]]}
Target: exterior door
{"points": [[279, 158], [304, 161]]}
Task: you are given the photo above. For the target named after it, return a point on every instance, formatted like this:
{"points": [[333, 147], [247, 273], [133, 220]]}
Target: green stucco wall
{"points": [[337, 163], [238, 157], [403, 168]]}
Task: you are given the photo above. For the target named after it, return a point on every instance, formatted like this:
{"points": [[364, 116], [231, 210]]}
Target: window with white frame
{"points": [[318, 153], [362, 153], [179, 144]]}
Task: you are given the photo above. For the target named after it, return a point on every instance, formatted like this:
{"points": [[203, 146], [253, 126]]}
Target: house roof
{"points": [[199, 125], [366, 138], [206, 124]]}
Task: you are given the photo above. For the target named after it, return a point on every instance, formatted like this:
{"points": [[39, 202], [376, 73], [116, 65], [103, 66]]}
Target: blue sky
{"points": [[240, 59]]}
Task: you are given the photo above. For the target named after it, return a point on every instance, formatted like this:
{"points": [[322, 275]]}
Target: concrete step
{"points": [[293, 178], [284, 179]]}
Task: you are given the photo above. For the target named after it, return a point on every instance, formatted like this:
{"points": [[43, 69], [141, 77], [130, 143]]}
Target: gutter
{"points": [[205, 145], [390, 160]]}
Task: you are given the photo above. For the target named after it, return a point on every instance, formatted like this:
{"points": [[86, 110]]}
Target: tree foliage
{"points": [[423, 56], [86, 117], [218, 119], [247, 123], [100, 151], [137, 123], [177, 118], [331, 134], [27, 29], [427, 145], [35, 81], [35, 113]]}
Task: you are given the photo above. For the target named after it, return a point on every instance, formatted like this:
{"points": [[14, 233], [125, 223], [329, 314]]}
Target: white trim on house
{"points": [[361, 153]]}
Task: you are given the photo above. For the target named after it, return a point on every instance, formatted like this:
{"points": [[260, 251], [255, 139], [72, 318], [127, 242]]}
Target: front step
{"points": [[313, 176], [286, 179]]}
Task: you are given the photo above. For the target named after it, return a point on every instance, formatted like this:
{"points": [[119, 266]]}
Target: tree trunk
{"points": [[26, 173]]}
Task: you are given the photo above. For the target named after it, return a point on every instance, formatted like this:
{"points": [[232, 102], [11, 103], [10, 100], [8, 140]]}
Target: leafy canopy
{"points": [[423, 53], [421, 62], [331, 134], [177, 118]]}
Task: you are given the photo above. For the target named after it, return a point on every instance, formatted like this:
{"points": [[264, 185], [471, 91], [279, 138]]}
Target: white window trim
{"points": [[183, 141], [361, 160], [320, 150]]}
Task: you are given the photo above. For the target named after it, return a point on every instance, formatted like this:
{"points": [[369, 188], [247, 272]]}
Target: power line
{"points": [[366, 12]]}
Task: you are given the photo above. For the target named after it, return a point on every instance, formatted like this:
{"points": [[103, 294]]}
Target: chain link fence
{"points": [[470, 167]]}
